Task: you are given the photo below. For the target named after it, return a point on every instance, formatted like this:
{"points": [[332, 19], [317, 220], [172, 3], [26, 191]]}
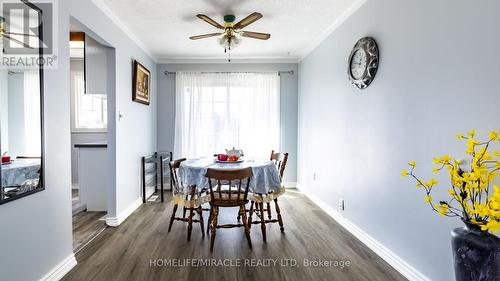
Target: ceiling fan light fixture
{"points": [[229, 41], [232, 32]]}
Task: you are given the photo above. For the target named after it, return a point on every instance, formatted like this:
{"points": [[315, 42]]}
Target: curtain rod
{"points": [[291, 72]]}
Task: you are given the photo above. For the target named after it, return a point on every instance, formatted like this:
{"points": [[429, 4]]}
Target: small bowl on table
{"points": [[222, 157], [5, 159]]}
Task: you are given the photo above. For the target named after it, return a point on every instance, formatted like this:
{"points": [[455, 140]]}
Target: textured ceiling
{"points": [[163, 26]]}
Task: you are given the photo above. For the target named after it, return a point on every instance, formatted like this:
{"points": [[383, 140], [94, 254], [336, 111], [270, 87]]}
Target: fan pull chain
{"points": [[229, 47]]}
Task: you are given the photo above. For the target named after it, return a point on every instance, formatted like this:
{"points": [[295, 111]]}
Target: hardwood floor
{"points": [[86, 226], [140, 248]]}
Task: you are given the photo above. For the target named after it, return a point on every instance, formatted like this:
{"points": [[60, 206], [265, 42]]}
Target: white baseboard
{"points": [[291, 184], [58, 272], [121, 217], [390, 257]]}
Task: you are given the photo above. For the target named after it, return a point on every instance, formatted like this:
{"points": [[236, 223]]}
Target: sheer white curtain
{"points": [[32, 122], [215, 111]]}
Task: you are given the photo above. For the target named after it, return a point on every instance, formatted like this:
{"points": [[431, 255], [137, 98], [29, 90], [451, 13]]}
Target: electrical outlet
{"points": [[314, 176], [341, 204]]}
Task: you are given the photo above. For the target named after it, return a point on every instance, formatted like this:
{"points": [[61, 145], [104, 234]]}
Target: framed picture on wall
{"points": [[141, 84]]}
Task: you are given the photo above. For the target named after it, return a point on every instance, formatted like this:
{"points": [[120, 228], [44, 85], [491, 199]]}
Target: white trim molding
{"points": [[338, 22], [58, 272], [390, 257], [121, 217], [201, 60]]}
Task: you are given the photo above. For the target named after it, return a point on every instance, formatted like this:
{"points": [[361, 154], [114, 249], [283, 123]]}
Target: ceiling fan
{"points": [[231, 33], [8, 35]]}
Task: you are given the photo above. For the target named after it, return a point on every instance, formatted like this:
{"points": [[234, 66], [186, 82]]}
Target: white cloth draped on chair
{"points": [[215, 111]]}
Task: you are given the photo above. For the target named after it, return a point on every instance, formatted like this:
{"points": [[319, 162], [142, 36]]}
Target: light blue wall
{"points": [[4, 111], [437, 61], [166, 104], [16, 132], [40, 226], [135, 135]]}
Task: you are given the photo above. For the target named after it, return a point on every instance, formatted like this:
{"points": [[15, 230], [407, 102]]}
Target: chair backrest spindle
{"points": [[235, 193]]}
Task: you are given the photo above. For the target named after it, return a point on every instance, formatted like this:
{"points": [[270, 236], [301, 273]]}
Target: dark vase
{"points": [[476, 254]]}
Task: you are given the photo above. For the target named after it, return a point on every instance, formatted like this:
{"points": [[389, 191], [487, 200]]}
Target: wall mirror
{"points": [[21, 105]]}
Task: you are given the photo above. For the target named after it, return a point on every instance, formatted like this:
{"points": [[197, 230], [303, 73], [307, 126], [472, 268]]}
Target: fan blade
{"points": [[256, 35], [253, 17], [210, 21], [205, 36], [18, 42]]}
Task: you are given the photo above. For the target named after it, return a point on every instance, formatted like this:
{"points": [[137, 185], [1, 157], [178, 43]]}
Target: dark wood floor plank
{"points": [[86, 225], [124, 253]]}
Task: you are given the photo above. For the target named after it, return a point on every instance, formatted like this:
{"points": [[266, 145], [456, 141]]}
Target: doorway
{"points": [[89, 89]]}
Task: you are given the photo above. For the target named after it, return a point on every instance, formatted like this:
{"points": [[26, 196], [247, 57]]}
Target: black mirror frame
{"points": [[42, 149]]}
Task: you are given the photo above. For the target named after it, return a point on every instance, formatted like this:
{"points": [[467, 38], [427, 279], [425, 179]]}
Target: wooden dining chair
{"points": [[228, 188], [258, 200], [279, 159], [189, 198]]}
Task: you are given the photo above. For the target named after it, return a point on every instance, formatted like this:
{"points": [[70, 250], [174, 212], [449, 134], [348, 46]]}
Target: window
{"points": [[90, 112], [217, 111]]}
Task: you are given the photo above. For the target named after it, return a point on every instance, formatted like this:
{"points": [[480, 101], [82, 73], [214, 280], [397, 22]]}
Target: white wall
{"points": [[288, 85], [42, 222], [438, 65]]}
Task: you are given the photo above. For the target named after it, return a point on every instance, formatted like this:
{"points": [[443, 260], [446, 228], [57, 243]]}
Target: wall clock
{"points": [[363, 62]]}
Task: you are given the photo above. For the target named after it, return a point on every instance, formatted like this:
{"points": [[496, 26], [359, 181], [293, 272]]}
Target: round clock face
{"points": [[358, 64], [363, 63]]}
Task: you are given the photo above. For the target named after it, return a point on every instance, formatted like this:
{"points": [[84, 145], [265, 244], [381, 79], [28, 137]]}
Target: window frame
{"points": [[74, 100]]}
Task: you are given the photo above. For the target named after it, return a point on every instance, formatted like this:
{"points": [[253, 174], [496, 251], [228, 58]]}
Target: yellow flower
{"points": [[467, 183], [472, 133], [442, 208], [471, 143], [446, 158], [404, 173], [432, 182], [492, 226], [493, 135], [481, 209]]}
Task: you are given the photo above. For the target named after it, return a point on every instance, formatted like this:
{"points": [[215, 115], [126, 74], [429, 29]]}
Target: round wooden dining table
{"points": [[265, 178]]}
